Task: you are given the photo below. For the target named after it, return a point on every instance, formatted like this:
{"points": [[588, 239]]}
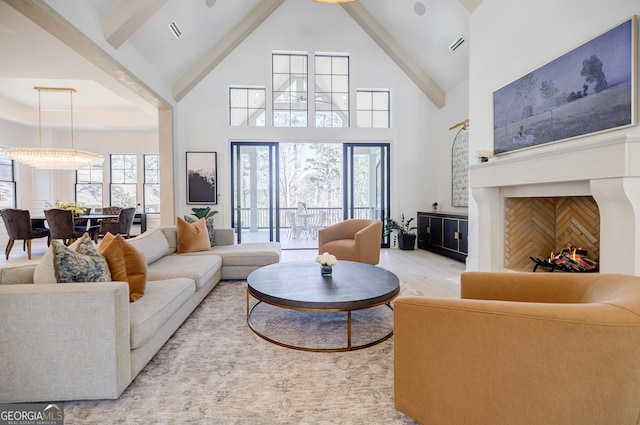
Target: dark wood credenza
{"points": [[444, 233]]}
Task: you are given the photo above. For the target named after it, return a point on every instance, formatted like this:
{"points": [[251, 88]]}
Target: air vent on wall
{"points": [[175, 30], [456, 43]]}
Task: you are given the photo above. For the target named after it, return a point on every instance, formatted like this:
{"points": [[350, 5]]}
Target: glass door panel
{"points": [[255, 187], [366, 181]]}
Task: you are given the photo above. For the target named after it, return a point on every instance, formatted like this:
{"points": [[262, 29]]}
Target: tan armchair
{"points": [[352, 240], [522, 348]]}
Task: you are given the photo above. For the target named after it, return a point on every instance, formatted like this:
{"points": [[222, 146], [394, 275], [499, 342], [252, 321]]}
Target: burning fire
{"points": [[570, 259]]}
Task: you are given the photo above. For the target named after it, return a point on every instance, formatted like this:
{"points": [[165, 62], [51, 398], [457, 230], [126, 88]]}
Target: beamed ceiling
{"points": [[45, 48]]}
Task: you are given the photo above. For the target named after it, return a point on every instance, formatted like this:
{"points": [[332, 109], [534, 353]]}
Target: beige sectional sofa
{"points": [[85, 340]]}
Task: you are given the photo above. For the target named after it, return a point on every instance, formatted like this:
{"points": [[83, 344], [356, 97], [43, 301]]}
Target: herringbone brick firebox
{"points": [[537, 226]]}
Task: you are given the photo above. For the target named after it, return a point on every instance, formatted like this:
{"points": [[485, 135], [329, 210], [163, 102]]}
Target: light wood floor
{"points": [[434, 275]]}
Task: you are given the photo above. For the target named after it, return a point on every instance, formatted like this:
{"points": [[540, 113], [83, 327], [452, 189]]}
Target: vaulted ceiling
{"points": [[416, 34]]}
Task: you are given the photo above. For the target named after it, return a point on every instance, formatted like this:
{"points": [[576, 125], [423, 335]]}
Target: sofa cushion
{"points": [[192, 236], [161, 300], [126, 263], [153, 245], [193, 267], [248, 254], [83, 265], [211, 231]]}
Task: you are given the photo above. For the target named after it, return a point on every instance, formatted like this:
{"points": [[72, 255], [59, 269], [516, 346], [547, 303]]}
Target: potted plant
{"points": [[204, 212], [435, 207], [405, 236]]}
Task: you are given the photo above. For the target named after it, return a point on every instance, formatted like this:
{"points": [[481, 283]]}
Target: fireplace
{"points": [[603, 168], [536, 227]]}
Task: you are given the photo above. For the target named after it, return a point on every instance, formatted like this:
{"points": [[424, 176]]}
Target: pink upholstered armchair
{"points": [[352, 240]]}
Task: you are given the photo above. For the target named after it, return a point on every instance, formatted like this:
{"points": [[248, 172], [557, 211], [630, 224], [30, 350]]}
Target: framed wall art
{"points": [[459, 169], [588, 90], [202, 181]]}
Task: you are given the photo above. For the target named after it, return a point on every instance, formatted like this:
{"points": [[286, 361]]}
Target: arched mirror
{"points": [[459, 169]]}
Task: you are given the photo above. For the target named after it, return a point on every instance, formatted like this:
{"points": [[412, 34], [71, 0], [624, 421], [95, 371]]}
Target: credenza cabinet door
{"points": [[444, 234]]}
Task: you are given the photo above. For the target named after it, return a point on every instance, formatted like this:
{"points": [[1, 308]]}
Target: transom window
{"points": [[151, 184], [290, 91], [124, 180], [7, 182], [332, 91], [373, 108], [89, 186], [247, 106]]}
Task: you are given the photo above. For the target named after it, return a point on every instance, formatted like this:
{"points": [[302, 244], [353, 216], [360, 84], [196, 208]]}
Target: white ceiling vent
{"points": [[456, 43], [175, 30]]}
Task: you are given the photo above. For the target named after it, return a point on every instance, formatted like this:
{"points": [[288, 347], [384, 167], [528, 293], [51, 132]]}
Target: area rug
{"points": [[215, 370]]}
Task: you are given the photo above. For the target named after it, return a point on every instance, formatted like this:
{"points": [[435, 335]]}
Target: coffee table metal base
{"points": [[349, 346]]}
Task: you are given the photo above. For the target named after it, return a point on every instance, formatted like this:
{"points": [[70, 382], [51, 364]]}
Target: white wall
{"points": [[455, 111], [203, 113], [36, 188], [512, 38]]}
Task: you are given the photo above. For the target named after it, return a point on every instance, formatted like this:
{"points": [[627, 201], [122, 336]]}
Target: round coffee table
{"points": [[299, 286]]}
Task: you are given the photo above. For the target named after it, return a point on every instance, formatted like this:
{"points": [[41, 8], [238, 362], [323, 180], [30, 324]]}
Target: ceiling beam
{"points": [[127, 17], [400, 56], [221, 50], [55, 24], [470, 5]]}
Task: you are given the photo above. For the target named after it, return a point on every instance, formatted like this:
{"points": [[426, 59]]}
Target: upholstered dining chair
{"points": [[62, 225], [81, 224], [352, 240], [120, 225], [19, 227]]}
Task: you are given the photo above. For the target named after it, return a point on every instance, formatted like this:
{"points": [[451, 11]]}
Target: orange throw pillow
{"points": [[126, 263], [192, 236]]}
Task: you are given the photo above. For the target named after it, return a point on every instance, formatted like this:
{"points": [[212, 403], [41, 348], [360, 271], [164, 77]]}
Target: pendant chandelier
{"points": [[45, 158]]}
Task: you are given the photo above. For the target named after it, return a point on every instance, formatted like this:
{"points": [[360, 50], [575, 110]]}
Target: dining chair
{"points": [[317, 224], [62, 226], [18, 225], [120, 225], [81, 224], [295, 229]]}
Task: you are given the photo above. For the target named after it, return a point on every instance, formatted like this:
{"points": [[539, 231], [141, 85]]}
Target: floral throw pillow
{"points": [[208, 221], [81, 265]]}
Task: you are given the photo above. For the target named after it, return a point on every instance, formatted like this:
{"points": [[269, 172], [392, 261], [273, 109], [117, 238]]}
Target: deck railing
{"points": [[332, 216]]}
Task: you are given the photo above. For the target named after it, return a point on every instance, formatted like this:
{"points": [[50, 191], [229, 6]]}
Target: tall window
{"points": [[89, 186], [124, 180], [373, 108], [247, 107], [151, 184], [290, 91], [332, 91], [7, 182]]}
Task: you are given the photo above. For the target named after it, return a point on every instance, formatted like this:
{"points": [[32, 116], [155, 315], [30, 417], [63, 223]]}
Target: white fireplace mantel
{"points": [[605, 167]]}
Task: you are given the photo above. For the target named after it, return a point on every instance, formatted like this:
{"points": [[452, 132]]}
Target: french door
{"points": [[366, 187], [255, 203]]}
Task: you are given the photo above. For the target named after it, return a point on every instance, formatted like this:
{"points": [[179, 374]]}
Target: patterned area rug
{"points": [[215, 370]]}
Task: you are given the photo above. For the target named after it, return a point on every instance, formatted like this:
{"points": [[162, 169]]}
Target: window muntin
{"points": [[151, 184], [373, 108], [290, 91], [89, 186], [124, 180], [7, 182], [332, 91], [247, 107]]}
